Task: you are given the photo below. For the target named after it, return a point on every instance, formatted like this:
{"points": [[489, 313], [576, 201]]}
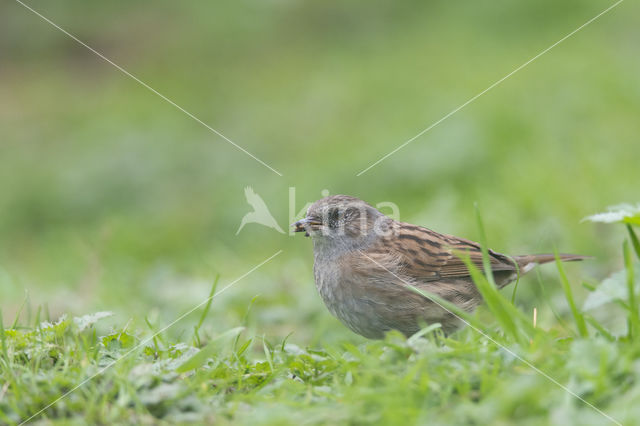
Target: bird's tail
{"points": [[527, 262]]}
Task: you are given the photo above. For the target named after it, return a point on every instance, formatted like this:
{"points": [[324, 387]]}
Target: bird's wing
{"points": [[426, 255]]}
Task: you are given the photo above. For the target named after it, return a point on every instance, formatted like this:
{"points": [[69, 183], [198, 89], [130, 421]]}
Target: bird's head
{"points": [[342, 220]]}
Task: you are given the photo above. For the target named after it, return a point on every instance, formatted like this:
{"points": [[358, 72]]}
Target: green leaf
{"points": [[86, 321], [613, 288], [621, 213], [118, 340], [200, 358]]}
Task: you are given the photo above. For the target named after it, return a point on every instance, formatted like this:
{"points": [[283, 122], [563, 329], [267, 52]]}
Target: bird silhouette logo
{"points": [[260, 213]]}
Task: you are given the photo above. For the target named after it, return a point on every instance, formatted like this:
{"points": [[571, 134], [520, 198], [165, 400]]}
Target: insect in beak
{"points": [[305, 224]]}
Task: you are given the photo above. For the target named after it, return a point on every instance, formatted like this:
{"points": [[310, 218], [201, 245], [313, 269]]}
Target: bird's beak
{"points": [[304, 224]]}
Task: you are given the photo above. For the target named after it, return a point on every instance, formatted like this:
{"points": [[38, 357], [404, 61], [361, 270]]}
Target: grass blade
{"points": [[267, 353], [578, 317], [634, 240], [547, 299], [155, 337], [504, 311], [3, 338], [24, 302], [208, 305], [515, 285], [466, 316], [633, 320], [486, 262], [595, 324]]}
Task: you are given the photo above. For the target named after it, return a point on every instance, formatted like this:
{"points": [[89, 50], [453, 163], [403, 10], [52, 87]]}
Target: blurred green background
{"points": [[112, 199]]}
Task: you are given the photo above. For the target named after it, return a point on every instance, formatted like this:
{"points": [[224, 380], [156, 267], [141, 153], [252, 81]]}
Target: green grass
{"points": [[476, 376]]}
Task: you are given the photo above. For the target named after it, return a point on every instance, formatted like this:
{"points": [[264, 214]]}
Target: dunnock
{"points": [[364, 262]]}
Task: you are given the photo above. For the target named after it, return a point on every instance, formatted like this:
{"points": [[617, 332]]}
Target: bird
{"points": [[260, 213], [365, 263]]}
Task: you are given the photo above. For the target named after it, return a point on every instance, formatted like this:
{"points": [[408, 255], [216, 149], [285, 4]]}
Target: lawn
{"points": [[127, 294]]}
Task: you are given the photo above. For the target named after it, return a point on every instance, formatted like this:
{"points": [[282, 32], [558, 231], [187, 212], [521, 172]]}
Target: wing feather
{"points": [[427, 255]]}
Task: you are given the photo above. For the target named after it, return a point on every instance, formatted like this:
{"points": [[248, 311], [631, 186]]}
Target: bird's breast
{"points": [[345, 297], [328, 277]]}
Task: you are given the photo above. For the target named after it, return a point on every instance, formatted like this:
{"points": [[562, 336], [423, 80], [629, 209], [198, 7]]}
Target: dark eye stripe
{"points": [[420, 241]]}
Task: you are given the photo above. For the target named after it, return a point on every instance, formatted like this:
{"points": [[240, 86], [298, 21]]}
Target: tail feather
{"points": [[527, 262]]}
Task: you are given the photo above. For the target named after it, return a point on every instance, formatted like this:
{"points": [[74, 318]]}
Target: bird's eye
{"points": [[333, 217]]}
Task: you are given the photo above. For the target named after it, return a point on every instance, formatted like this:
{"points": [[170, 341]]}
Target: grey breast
{"points": [[346, 298]]}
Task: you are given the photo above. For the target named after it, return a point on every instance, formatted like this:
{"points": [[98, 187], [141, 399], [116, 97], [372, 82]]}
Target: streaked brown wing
{"points": [[428, 255]]}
